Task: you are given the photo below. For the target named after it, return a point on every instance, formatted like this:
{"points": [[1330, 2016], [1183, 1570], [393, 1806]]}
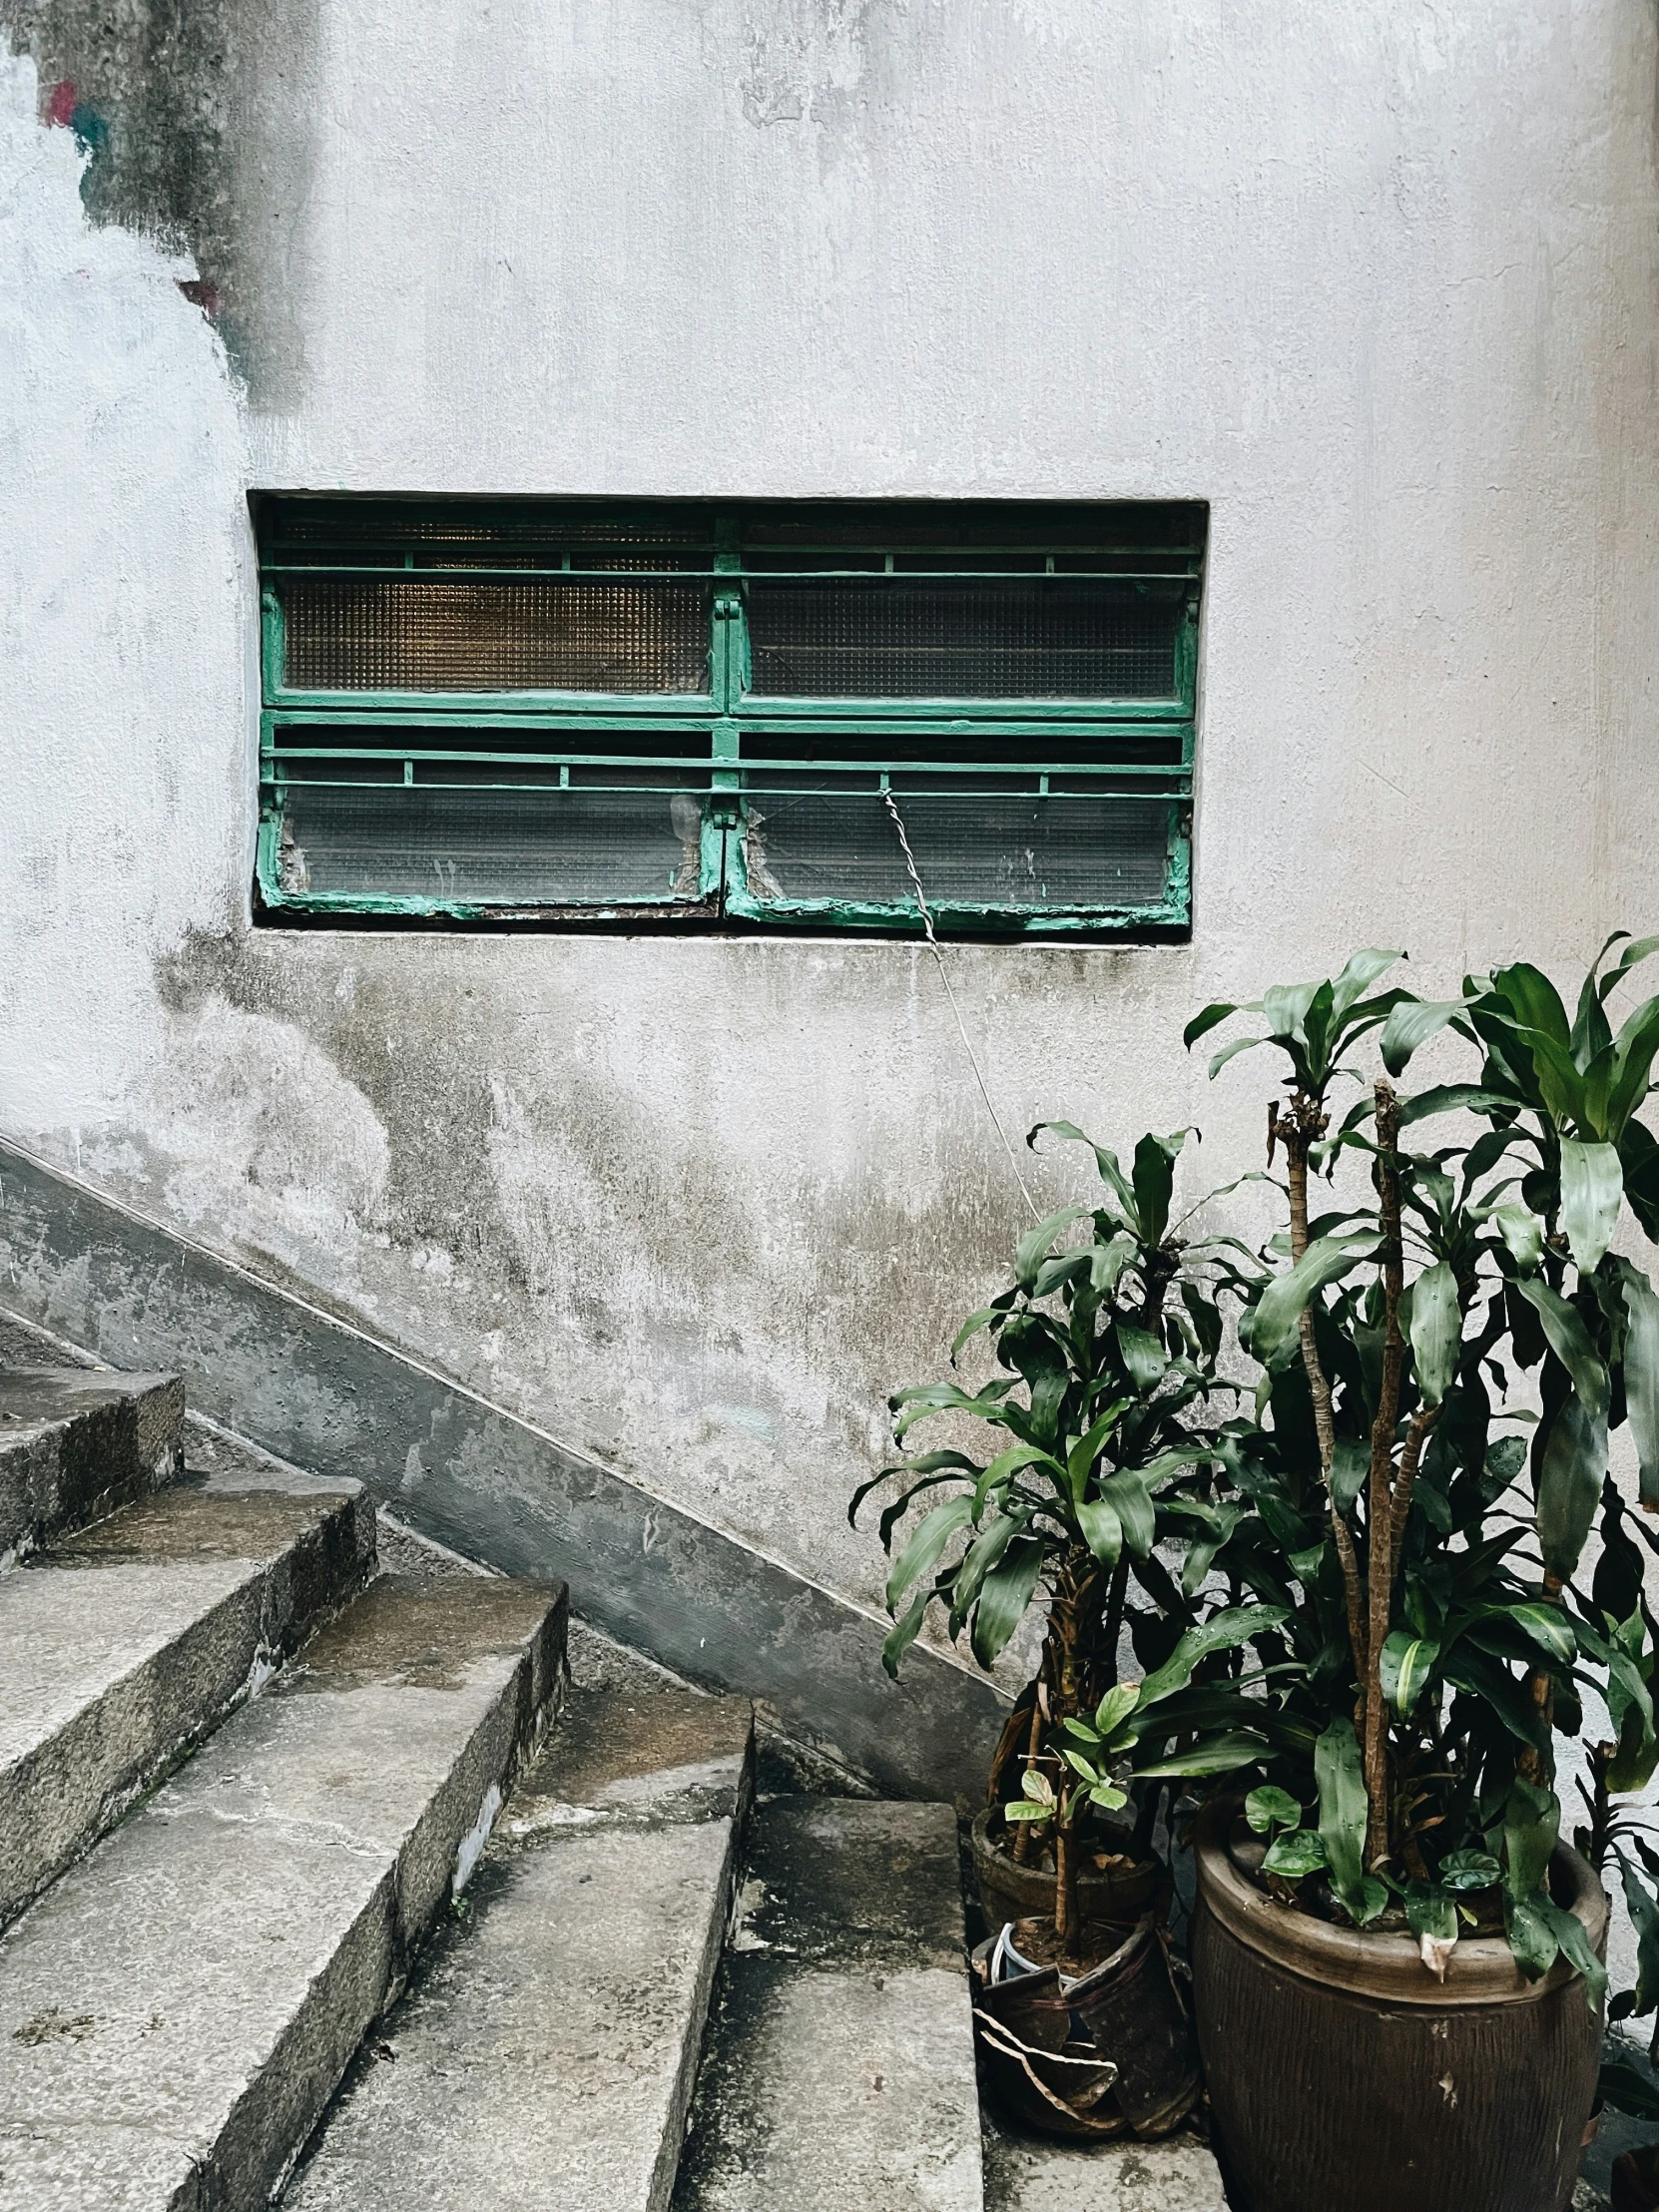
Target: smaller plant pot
{"points": [[1096, 2055], [1110, 1900]]}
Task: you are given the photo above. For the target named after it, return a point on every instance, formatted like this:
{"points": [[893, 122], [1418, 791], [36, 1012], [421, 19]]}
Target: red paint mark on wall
{"points": [[61, 103], [200, 294]]}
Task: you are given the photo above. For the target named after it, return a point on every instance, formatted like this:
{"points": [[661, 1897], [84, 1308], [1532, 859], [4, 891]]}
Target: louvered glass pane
{"points": [[632, 635], [904, 637], [982, 849], [453, 845]]}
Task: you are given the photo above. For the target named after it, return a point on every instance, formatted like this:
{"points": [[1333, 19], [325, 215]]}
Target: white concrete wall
{"points": [[1379, 283]]}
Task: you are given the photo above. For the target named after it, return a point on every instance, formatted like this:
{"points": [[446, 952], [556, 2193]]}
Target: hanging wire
{"points": [[944, 978]]}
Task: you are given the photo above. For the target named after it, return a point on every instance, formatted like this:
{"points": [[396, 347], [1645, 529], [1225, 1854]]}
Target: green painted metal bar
{"points": [[390, 571], [765, 715]]}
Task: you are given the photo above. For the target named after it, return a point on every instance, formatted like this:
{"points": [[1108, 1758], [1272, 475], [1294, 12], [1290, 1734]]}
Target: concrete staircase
{"points": [[310, 1894]]}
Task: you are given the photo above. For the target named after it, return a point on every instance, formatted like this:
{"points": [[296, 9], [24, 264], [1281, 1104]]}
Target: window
{"points": [[565, 711]]}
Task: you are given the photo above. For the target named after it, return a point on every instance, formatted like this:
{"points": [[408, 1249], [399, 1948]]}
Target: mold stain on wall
{"points": [[461, 1143], [194, 117]]}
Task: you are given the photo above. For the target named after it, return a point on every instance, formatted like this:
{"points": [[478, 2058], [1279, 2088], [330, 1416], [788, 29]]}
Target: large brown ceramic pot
{"points": [[1342, 2074], [1011, 1891]]}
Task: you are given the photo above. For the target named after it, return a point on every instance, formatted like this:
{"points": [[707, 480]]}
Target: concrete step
{"points": [[176, 2010], [840, 2071], [76, 1443], [546, 2052], [125, 1643]]}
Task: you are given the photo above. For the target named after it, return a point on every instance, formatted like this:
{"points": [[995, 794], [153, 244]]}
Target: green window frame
{"points": [[706, 714]]}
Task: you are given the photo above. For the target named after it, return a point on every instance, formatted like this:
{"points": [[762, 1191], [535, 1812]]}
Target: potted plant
{"points": [[1095, 1464], [1442, 1352]]}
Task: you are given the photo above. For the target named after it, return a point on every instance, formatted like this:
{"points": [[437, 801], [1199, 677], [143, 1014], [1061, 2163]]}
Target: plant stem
{"points": [[1382, 1501], [1065, 1877], [1417, 1436], [1023, 1840], [1541, 1690], [1302, 1128]]}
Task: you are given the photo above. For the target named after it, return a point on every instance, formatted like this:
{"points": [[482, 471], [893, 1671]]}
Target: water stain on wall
{"points": [[193, 116]]}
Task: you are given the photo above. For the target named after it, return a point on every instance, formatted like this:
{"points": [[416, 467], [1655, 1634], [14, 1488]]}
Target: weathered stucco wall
{"points": [[1378, 284]]}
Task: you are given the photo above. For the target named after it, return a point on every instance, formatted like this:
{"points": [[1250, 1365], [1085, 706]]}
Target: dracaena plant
{"points": [[1098, 1429], [1435, 1641]]}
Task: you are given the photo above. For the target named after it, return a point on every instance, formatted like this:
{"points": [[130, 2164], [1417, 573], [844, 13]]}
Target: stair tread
{"points": [[74, 1441], [176, 2011], [547, 2052], [840, 2076], [125, 1643]]}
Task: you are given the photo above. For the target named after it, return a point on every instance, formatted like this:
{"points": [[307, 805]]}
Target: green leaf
{"points": [[1535, 1000], [1128, 1495], [976, 1322], [924, 1546], [1531, 1829], [1153, 1181], [1568, 1338], [1235, 1624], [1633, 1051], [1024, 1810], [1115, 1708], [1569, 1485], [905, 1633], [1211, 1018], [1548, 1626], [1268, 1807], [1349, 1470], [1483, 1678], [1592, 1191], [1430, 1911], [1035, 1785], [1533, 1942], [1641, 1374], [1340, 1773], [1644, 1919], [1356, 978], [1573, 1939], [1634, 954], [1451, 1098], [1469, 1870], [1032, 1248], [1523, 1233], [1102, 1530], [1279, 1312], [1007, 1464], [1412, 1022], [1006, 1594], [1285, 1006], [1405, 1666], [1220, 1755], [1111, 1174], [1437, 1330], [1143, 1356], [1231, 1053], [1107, 1262], [980, 1558], [1624, 2087], [1296, 1855]]}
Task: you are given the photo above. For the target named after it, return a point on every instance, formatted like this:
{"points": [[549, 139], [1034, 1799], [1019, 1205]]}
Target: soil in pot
{"points": [[1341, 2073], [1114, 1891]]}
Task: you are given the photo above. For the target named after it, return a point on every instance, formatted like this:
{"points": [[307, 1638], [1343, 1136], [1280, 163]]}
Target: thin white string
{"points": [[944, 978]]}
